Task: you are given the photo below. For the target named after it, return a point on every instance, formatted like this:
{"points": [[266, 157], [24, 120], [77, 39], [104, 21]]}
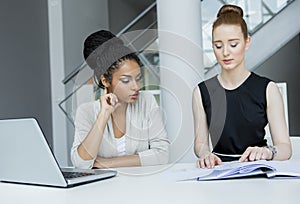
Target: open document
{"points": [[237, 169]]}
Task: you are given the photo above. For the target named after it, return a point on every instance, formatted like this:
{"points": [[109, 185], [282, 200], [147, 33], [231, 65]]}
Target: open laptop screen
{"points": [[26, 157]]}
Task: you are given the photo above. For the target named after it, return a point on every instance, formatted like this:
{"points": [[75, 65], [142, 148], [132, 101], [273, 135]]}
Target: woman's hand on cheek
{"points": [[109, 102]]}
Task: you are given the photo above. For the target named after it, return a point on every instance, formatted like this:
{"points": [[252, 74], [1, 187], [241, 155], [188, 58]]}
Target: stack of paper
{"points": [[237, 169]]}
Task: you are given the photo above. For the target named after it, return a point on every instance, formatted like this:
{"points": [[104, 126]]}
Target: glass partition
{"points": [[145, 42], [82, 83]]}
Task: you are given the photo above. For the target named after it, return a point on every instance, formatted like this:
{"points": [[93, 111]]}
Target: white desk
{"points": [[145, 185]]}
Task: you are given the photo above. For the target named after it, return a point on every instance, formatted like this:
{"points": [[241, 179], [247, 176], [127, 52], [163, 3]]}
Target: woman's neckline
{"points": [[235, 88]]}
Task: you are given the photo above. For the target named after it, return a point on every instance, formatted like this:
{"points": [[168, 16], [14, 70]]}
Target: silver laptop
{"points": [[25, 157]]}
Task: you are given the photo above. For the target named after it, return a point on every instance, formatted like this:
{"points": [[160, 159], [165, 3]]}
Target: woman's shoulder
{"points": [[256, 83], [259, 79], [210, 85], [212, 80], [89, 108], [89, 105]]}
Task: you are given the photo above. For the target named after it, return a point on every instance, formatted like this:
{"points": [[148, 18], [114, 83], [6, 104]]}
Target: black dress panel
{"points": [[236, 118]]}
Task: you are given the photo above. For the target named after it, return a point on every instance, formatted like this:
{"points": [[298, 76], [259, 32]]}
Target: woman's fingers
{"points": [[218, 161], [245, 155], [208, 161], [254, 154], [111, 99], [109, 102]]}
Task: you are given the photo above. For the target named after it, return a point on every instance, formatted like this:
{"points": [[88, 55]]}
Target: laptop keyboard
{"points": [[69, 175]]}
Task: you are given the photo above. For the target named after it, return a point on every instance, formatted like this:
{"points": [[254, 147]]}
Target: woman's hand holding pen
{"points": [[256, 153], [208, 160]]}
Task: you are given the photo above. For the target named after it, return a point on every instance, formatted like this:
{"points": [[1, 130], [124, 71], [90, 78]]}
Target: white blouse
{"points": [[120, 143], [145, 132]]}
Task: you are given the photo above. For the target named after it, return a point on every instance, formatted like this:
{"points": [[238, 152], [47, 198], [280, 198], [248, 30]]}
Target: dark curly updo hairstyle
{"points": [[105, 53], [231, 15]]}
